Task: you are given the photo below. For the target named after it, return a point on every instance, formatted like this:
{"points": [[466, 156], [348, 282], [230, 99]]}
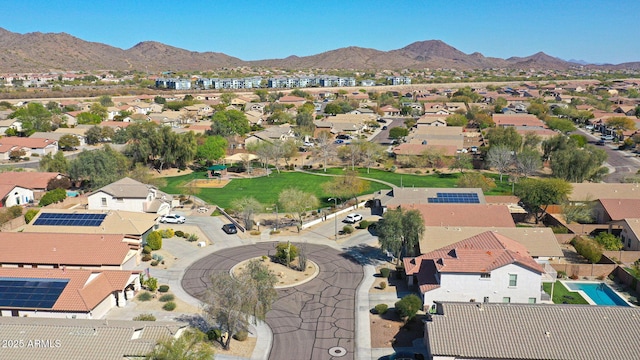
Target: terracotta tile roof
{"points": [[33, 143], [291, 99], [85, 290], [619, 209], [517, 120], [418, 149], [481, 253], [63, 249], [27, 179], [463, 214]]}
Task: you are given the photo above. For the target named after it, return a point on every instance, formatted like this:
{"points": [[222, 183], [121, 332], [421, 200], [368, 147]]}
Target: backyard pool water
{"points": [[72, 193], [597, 293]]}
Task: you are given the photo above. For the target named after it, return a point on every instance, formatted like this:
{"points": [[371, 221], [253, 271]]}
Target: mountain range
{"points": [[44, 52]]}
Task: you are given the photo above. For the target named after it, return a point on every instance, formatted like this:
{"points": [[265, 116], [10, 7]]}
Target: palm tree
{"points": [[192, 345]]}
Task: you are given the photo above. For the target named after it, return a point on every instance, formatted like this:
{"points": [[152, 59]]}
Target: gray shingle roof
{"points": [[69, 339], [522, 331]]}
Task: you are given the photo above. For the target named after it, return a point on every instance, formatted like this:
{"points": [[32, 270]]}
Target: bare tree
{"points": [[297, 202], [247, 207], [370, 152], [347, 186], [528, 161], [325, 149], [501, 158]]}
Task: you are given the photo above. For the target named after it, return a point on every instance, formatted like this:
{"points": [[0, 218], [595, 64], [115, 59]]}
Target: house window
{"points": [[513, 279], [506, 299], [532, 300], [485, 276], [104, 201], [120, 200], [486, 299]]}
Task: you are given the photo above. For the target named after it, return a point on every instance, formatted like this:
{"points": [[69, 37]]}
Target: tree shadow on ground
{"points": [[194, 320], [364, 254]]}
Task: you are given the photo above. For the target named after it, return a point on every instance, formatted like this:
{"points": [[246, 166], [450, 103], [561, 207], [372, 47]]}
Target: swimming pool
{"points": [[598, 292], [72, 193]]}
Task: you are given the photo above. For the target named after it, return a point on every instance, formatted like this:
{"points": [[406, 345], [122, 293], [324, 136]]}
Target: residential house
{"points": [[70, 293], [292, 100], [80, 339], [279, 132], [23, 187], [31, 146], [438, 136], [452, 107], [429, 120], [587, 192], [607, 210], [353, 124], [130, 195], [7, 124], [412, 195], [134, 225], [460, 330], [70, 251], [520, 120], [11, 195], [389, 110], [487, 267], [463, 214], [57, 135]]}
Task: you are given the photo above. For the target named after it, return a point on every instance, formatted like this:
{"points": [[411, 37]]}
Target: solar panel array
{"points": [[57, 219], [30, 293], [454, 198]]}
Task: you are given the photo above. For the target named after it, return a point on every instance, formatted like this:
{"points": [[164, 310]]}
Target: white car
{"points": [[308, 143], [606, 137], [352, 218], [172, 219]]}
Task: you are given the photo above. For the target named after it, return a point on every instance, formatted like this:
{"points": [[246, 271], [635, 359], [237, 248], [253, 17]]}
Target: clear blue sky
{"points": [[598, 31]]}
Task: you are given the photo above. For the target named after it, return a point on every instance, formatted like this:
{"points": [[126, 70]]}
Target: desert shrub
{"points": [[383, 285], [364, 224], [154, 263], [30, 214], [169, 306], [609, 241], [192, 238], [254, 232], [146, 257], [151, 284], [385, 272], [589, 249], [53, 196], [179, 233], [163, 288], [241, 335], [167, 298], [186, 235], [146, 249], [281, 252], [145, 317], [348, 229], [166, 233], [154, 240], [145, 296], [381, 308], [408, 306], [214, 334]]}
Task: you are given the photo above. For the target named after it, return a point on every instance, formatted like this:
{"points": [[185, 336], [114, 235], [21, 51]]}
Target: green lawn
{"points": [[561, 295], [263, 189], [430, 180]]}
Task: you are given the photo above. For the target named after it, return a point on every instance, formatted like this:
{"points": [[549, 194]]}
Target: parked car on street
{"points": [[606, 137], [229, 228], [172, 219], [352, 218]]}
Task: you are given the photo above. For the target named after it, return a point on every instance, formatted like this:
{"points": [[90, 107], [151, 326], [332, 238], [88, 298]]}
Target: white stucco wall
{"points": [[95, 203], [18, 196], [467, 287]]}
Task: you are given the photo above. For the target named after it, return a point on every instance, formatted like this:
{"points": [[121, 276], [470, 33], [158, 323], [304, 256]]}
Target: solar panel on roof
{"points": [[30, 293], [454, 198], [62, 219]]}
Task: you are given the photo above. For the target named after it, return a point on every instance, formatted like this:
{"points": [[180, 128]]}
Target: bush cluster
{"points": [[214, 334], [30, 214], [364, 224], [145, 317], [169, 306], [348, 229], [166, 233], [179, 233], [145, 296], [167, 298], [154, 240], [163, 288], [53, 196], [281, 252], [241, 335], [385, 272], [381, 308], [589, 249], [146, 249]]}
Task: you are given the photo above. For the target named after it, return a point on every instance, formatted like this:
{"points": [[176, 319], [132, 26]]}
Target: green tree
{"points": [[99, 167], [505, 136], [528, 161], [52, 197], [106, 101], [475, 180], [580, 213], [191, 345], [56, 163], [297, 202], [408, 307], [398, 132], [562, 125], [154, 240], [577, 165], [347, 186], [457, 120], [500, 103], [68, 142], [229, 122], [461, 162], [262, 94], [34, 118], [589, 249], [87, 118], [247, 207], [399, 231], [609, 241], [304, 121], [620, 123], [538, 194], [212, 148]]}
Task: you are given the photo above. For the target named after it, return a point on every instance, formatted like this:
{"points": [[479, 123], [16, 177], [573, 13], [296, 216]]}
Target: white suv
{"points": [[172, 219], [352, 218]]}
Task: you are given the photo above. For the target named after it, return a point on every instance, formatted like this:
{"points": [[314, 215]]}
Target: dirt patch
{"points": [[208, 183], [388, 330], [171, 172], [286, 276], [156, 305], [393, 283], [241, 349]]}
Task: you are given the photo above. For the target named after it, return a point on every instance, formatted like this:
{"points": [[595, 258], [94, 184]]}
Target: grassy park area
{"points": [[266, 189]]}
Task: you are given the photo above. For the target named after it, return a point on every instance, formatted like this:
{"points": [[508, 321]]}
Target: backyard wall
{"points": [[622, 276], [581, 270]]}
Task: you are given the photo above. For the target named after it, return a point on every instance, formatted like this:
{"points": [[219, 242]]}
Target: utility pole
{"points": [[335, 217]]}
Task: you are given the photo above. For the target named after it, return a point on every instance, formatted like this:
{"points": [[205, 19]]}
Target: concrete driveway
{"points": [[315, 320]]}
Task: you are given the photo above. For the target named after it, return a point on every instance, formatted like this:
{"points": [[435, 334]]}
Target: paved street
{"points": [[308, 320], [621, 163]]}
